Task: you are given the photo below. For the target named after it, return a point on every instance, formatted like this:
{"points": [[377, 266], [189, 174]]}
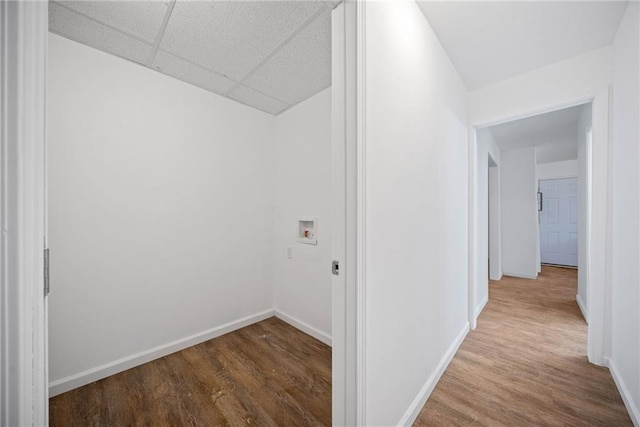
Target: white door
{"points": [[559, 221]]}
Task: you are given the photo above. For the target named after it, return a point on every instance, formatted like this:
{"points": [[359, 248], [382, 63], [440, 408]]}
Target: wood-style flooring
{"points": [[526, 364], [265, 374]]}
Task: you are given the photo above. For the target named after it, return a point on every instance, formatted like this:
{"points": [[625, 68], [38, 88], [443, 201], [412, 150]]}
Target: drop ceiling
{"points": [[490, 41], [270, 55]]}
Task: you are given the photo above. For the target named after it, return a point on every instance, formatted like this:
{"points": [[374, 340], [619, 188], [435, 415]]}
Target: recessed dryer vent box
{"points": [[307, 231]]}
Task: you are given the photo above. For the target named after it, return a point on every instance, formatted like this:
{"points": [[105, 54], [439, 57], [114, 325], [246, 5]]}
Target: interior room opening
{"points": [[537, 199], [190, 210]]}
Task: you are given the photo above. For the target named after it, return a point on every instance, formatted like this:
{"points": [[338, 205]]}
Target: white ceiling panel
{"points": [[258, 100], [489, 41], [141, 18], [301, 68], [284, 46], [77, 27], [186, 71], [232, 37]]}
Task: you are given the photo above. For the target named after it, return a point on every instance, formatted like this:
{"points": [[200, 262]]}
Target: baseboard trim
{"points": [[416, 406], [582, 307], [634, 413], [520, 276], [304, 327], [481, 307], [86, 377]]}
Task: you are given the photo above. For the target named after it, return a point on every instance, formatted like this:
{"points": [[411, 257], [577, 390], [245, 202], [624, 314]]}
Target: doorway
{"points": [[592, 233]]}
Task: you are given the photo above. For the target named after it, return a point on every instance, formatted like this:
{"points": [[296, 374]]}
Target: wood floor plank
{"points": [[526, 363], [267, 374]]}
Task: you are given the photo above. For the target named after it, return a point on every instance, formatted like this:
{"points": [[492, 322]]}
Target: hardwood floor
{"points": [[265, 374], [526, 364]]}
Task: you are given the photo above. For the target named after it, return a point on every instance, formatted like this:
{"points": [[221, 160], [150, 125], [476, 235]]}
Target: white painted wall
{"points": [[557, 170], [567, 83], [160, 223], [303, 188], [416, 211], [558, 151], [584, 206], [519, 213], [625, 344]]}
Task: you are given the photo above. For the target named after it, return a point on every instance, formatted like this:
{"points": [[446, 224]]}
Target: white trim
{"points": [[520, 276], [23, 363], [86, 377], [304, 327], [346, 299], [481, 307], [421, 398], [343, 404], [574, 102], [599, 251], [361, 217], [632, 408], [582, 307], [472, 235], [557, 175]]}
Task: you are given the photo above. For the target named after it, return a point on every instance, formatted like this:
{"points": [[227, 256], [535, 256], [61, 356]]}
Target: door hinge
{"points": [[335, 268], [46, 272]]}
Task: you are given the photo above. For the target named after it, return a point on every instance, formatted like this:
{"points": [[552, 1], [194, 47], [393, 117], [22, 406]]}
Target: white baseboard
{"points": [[631, 406], [304, 327], [583, 308], [521, 276], [481, 307], [86, 377], [499, 277], [416, 406]]}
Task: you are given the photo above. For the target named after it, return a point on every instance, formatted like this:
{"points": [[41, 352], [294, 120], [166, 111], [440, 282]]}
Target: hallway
{"points": [[526, 363]]}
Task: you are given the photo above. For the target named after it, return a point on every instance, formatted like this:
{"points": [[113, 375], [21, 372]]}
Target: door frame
{"points": [[600, 213], [23, 355], [348, 287], [23, 332]]}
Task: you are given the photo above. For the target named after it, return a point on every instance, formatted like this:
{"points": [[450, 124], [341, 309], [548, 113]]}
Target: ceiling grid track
{"points": [[313, 17], [122, 32], [104, 24], [163, 27]]}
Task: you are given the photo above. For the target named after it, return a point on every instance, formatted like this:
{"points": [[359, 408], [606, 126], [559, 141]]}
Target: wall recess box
{"points": [[307, 230]]}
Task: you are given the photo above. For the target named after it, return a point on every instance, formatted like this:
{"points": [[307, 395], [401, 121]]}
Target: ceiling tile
{"points": [[186, 71], [233, 37], [301, 68], [258, 100], [140, 18], [74, 26]]}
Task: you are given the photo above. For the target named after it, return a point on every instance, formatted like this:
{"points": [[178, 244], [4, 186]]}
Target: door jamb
{"points": [[23, 331], [348, 295]]}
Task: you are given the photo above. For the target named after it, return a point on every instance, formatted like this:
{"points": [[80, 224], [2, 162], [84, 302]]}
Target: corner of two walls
{"points": [[162, 224], [519, 215], [303, 189]]}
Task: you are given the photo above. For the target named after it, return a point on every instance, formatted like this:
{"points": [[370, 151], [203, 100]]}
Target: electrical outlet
{"points": [[289, 252]]}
